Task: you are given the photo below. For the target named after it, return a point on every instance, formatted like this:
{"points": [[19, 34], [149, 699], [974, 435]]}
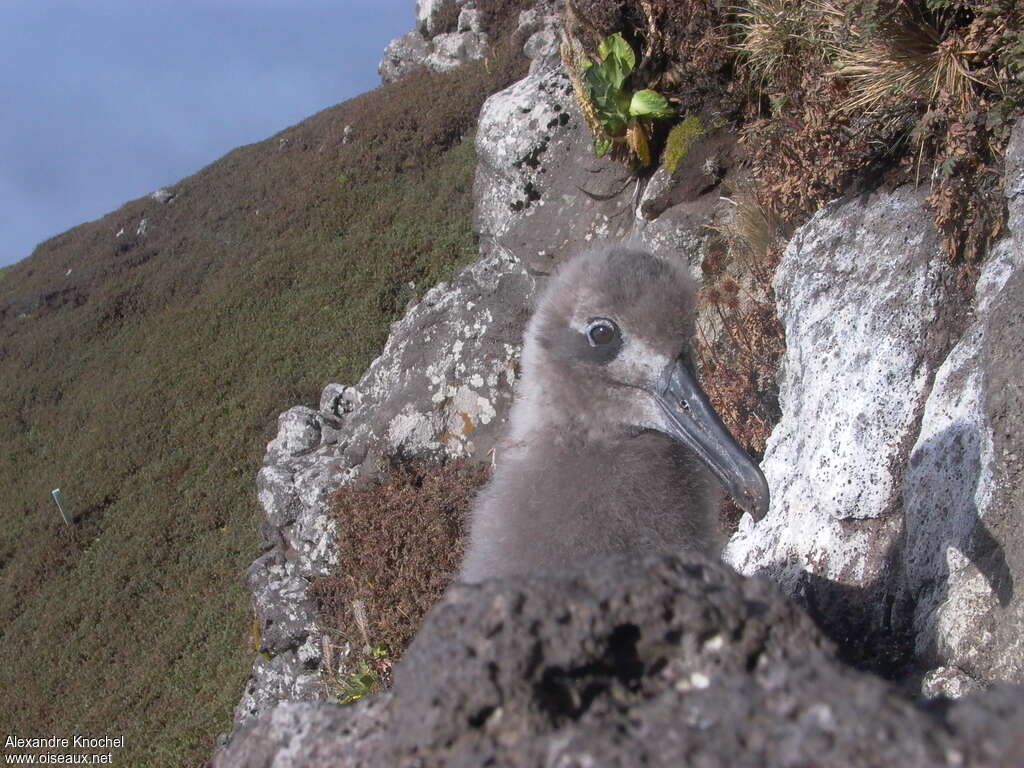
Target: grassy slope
{"points": [[146, 383]]}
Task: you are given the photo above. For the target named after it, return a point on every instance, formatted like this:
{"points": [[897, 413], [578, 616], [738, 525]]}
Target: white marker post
{"points": [[59, 498]]}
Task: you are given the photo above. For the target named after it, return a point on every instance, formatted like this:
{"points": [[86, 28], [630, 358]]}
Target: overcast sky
{"points": [[104, 101]]}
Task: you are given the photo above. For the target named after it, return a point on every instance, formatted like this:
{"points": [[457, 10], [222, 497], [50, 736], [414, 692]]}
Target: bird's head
{"points": [[609, 352]]}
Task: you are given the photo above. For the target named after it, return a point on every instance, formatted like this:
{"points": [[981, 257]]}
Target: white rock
{"points": [[858, 288]]}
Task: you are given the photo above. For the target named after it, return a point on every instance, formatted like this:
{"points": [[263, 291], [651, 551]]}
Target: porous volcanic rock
{"points": [[445, 373], [661, 661]]}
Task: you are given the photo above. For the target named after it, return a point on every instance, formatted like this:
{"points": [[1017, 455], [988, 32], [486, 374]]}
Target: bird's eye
{"points": [[601, 332]]}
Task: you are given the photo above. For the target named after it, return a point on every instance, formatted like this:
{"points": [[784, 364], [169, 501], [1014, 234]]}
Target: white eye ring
{"points": [[602, 331]]}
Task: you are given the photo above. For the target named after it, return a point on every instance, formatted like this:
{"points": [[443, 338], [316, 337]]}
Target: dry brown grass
{"points": [[906, 62], [740, 338], [904, 90], [779, 39], [399, 543]]}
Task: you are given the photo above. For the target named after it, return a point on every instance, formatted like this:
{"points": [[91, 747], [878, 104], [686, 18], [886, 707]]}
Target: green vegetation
{"points": [[825, 97], [620, 116], [146, 383], [915, 89], [809, 101], [366, 679]]}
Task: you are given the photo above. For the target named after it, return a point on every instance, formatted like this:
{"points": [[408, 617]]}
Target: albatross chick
{"points": [[612, 445]]}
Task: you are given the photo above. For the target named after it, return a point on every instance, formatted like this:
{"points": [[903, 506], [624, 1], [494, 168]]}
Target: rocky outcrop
{"points": [[895, 474], [863, 293], [445, 373], [542, 194], [439, 46], [440, 388], [892, 470], [432, 45], [658, 662], [443, 383]]}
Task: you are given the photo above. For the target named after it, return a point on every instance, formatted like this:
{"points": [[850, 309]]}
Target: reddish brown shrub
{"points": [[399, 542]]}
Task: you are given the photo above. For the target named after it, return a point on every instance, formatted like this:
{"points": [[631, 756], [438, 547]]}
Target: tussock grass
{"points": [[905, 62], [778, 39], [753, 234], [890, 91]]}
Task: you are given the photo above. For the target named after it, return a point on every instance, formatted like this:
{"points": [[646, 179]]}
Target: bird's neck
{"points": [[559, 495]]}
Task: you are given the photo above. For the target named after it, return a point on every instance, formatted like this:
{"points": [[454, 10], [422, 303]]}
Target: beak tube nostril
{"points": [[690, 419]]}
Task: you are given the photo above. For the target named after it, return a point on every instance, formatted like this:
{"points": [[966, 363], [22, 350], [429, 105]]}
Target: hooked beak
{"points": [[690, 419]]}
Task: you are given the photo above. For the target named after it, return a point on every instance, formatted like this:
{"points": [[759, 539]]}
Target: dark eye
{"points": [[601, 332]]}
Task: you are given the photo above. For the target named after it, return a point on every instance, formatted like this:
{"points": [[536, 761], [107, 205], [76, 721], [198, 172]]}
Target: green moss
{"points": [[677, 145]]}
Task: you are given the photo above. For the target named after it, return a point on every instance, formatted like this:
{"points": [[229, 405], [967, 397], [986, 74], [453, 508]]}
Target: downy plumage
{"points": [[611, 445]]}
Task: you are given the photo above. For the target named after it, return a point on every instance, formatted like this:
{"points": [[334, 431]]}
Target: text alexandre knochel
{"points": [[60, 742]]}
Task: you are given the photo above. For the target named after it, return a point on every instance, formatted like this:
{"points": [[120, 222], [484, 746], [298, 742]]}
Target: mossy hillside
{"points": [[146, 383]]}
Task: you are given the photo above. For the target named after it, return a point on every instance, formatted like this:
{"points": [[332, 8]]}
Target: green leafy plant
{"points": [[621, 116], [366, 679]]}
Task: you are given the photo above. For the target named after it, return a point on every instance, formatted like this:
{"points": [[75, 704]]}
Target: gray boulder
{"points": [[540, 27], [659, 662], [541, 193], [403, 55], [432, 44], [440, 388], [962, 497], [470, 20], [861, 290], [452, 49], [298, 433], [430, 15], [163, 195], [893, 467], [290, 643], [442, 53]]}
